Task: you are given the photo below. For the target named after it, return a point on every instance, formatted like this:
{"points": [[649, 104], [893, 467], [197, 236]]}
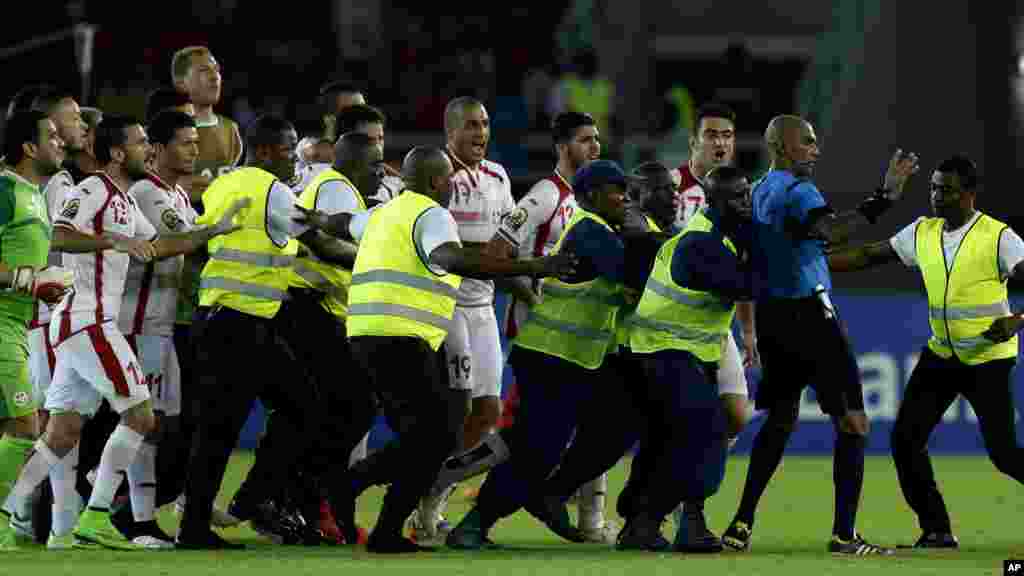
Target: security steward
{"points": [[238, 345], [312, 322], [401, 302]]}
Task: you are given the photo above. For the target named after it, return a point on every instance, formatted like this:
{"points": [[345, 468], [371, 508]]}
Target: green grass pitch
{"points": [[790, 537]]}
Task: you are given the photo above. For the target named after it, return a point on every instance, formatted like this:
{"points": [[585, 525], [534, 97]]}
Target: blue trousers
{"points": [[668, 401], [553, 393]]}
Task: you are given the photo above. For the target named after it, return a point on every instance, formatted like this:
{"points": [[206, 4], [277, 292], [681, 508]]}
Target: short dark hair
{"points": [[23, 98], [336, 87], [111, 132], [22, 126], [713, 110], [564, 126], [266, 130], [963, 167], [164, 99], [48, 98], [165, 125], [350, 118]]}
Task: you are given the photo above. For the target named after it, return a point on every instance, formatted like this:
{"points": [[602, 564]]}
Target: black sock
{"points": [[466, 458], [848, 476], [765, 456]]}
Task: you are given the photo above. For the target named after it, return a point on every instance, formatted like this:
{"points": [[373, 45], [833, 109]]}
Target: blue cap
{"points": [[595, 174]]}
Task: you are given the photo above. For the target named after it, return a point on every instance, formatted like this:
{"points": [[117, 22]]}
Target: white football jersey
{"points": [[96, 206], [151, 289], [57, 187], [534, 227], [691, 195], [480, 197]]}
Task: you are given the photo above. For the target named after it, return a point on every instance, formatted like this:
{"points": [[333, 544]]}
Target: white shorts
{"points": [[95, 364], [731, 377], [474, 351], [159, 361], [41, 361]]}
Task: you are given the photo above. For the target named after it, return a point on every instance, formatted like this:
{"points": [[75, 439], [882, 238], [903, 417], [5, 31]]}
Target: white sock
{"points": [[359, 452], [491, 451], [66, 501], [142, 483], [35, 471], [591, 503], [20, 507], [119, 453]]}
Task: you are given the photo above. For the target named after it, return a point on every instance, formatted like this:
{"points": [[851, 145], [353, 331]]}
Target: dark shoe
{"points": [[693, 536], [936, 540], [857, 547], [643, 536], [208, 541], [554, 514], [397, 544], [469, 534], [276, 524]]}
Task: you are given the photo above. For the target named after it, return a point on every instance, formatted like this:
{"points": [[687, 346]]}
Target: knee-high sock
{"points": [[13, 454], [359, 452], [36, 469], [119, 453], [591, 503], [491, 451], [848, 476], [142, 483], [769, 444], [65, 498]]}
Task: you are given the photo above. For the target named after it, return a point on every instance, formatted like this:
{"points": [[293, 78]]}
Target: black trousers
{"points": [[240, 358], [346, 406], [410, 384], [933, 387]]}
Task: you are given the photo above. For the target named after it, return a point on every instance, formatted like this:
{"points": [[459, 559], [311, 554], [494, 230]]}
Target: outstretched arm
{"points": [[862, 257]]}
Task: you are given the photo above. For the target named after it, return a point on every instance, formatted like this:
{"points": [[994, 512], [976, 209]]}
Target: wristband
{"points": [[875, 205]]}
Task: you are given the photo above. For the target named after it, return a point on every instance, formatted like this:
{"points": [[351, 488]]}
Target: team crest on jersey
{"points": [[70, 209], [516, 218], [171, 219]]}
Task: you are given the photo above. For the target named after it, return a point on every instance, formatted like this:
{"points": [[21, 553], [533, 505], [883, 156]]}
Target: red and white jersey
{"points": [[690, 194], [480, 197], [96, 206], [534, 227], [151, 289], [57, 187]]}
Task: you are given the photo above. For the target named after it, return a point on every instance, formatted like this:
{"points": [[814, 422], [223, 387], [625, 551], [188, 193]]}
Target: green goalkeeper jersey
{"points": [[25, 234]]}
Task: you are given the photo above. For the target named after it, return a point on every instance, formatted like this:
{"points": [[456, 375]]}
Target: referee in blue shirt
{"points": [[792, 226]]}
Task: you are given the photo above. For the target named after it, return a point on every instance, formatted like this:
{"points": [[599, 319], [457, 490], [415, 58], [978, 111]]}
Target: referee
{"points": [[965, 258], [791, 225], [239, 349], [401, 303]]}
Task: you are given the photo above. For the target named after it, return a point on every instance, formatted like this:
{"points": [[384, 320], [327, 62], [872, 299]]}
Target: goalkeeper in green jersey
{"points": [[33, 152]]}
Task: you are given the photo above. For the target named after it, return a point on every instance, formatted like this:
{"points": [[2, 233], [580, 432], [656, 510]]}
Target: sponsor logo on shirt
{"points": [[515, 219], [70, 209], [171, 219]]}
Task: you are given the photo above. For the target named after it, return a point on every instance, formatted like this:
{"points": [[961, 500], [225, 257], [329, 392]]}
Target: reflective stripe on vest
{"points": [[403, 279], [253, 258], [239, 287], [575, 322], [966, 295], [400, 311]]}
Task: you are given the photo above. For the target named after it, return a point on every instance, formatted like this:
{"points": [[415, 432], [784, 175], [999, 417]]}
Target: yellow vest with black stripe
{"points": [[574, 322], [393, 292], [308, 271], [246, 271], [671, 317], [963, 301]]}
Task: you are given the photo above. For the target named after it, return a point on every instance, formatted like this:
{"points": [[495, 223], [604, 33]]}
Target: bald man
{"points": [[792, 225], [407, 272]]}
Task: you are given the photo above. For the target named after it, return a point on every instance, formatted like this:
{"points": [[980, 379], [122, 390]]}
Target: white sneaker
{"points": [[430, 523], [219, 518], [606, 533], [153, 543]]}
